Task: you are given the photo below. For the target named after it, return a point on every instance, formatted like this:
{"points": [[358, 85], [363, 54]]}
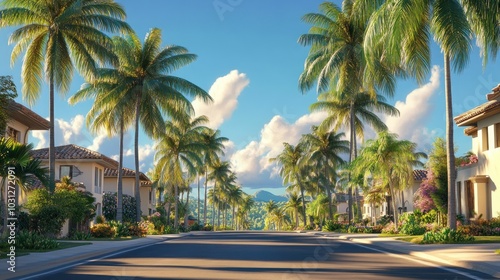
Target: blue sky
{"points": [[249, 60]]}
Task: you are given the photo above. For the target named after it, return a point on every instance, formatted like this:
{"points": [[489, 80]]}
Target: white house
{"points": [[478, 183]]}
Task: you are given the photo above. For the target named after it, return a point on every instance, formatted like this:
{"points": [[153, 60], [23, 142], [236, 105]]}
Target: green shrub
{"points": [[384, 220], [352, 229], [208, 227], [410, 225], [34, 241], [429, 217], [196, 227], [137, 229], [446, 236], [80, 235], [119, 228], [109, 207], [390, 228], [100, 219], [332, 226], [171, 230], [102, 231]]}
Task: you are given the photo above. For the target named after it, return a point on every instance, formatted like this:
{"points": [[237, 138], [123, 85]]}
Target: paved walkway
{"points": [[479, 257]]}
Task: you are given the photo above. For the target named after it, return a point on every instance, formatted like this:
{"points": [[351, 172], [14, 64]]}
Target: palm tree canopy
{"points": [[57, 36]]}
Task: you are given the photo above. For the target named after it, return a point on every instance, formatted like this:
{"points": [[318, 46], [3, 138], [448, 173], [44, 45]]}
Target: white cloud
{"points": [[66, 132], [415, 111], [224, 92], [251, 163]]}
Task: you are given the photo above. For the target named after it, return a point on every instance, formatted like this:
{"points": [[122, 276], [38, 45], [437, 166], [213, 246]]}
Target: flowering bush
{"points": [[469, 160], [102, 230], [390, 228], [109, 207]]}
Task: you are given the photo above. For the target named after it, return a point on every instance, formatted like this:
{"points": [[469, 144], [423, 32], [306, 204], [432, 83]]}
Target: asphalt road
{"points": [[257, 255]]}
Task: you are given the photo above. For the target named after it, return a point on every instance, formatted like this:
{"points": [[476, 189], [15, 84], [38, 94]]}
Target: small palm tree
{"points": [[56, 37], [294, 204], [390, 161]]}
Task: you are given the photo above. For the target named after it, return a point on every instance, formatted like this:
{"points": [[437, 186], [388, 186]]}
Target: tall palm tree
{"points": [[270, 206], [214, 148], [389, 161], [291, 171], [220, 175], [142, 80], [336, 60], [403, 30], [178, 153], [56, 37], [110, 115], [324, 149], [247, 204], [235, 197]]}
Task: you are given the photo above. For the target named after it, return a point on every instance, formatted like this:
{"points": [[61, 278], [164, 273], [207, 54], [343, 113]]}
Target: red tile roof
{"points": [[25, 116], [108, 172], [419, 175], [74, 152], [491, 106]]}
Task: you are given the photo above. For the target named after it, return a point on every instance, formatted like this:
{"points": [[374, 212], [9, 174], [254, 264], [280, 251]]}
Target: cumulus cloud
{"points": [[251, 163], [66, 132], [415, 111], [224, 92]]}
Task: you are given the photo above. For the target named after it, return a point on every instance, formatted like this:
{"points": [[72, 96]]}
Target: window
{"points": [[485, 138], [65, 170], [13, 134], [497, 135], [97, 180]]}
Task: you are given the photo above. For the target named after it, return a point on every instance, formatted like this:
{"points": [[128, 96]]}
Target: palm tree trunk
{"points": [[393, 201], [450, 155], [352, 156], [52, 148], [186, 215], [296, 217], [137, 191], [119, 187], [330, 207], [198, 198], [303, 199], [205, 201], [176, 207]]}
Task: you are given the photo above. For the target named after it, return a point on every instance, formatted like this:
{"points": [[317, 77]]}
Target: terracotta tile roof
{"points": [[25, 116], [419, 175], [493, 102], [74, 152], [108, 172]]}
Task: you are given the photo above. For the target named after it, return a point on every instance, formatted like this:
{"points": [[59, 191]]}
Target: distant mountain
{"points": [[265, 196]]}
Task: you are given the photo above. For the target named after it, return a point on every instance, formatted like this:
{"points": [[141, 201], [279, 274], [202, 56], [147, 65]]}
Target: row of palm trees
{"points": [[362, 47], [130, 82]]}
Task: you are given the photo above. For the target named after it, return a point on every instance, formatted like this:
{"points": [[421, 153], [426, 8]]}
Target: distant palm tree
{"points": [[290, 170], [234, 197], [246, 205], [56, 37], [404, 37], [294, 204], [389, 161], [179, 152], [279, 217], [221, 173], [324, 149], [143, 81], [337, 63], [214, 147]]}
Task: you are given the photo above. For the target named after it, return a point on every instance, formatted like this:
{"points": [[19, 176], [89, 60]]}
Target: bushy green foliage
{"points": [[410, 224], [102, 231], [208, 227], [109, 207], [332, 226], [384, 220], [137, 229], [352, 229], [100, 219], [34, 241], [80, 235], [446, 236], [120, 229], [390, 228], [429, 217], [196, 227]]}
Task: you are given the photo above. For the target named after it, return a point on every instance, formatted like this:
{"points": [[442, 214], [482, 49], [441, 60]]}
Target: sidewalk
{"points": [[479, 257], [38, 262]]}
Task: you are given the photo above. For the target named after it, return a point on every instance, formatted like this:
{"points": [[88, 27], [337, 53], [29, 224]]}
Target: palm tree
{"points": [[389, 161], [246, 205], [324, 149], [178, 152], [318, 208], [221, 173], [290, 170], [270, 206], [375, 196], [293, 203], [234, 196], [279, 217], [56, 37], [214, 146], [16, 161], [336, 59], [405, 33], [143, 81]]}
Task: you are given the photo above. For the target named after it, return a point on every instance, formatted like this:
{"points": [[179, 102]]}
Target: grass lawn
{"points": [[477, 239], [497, 251], [123, 238]]}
